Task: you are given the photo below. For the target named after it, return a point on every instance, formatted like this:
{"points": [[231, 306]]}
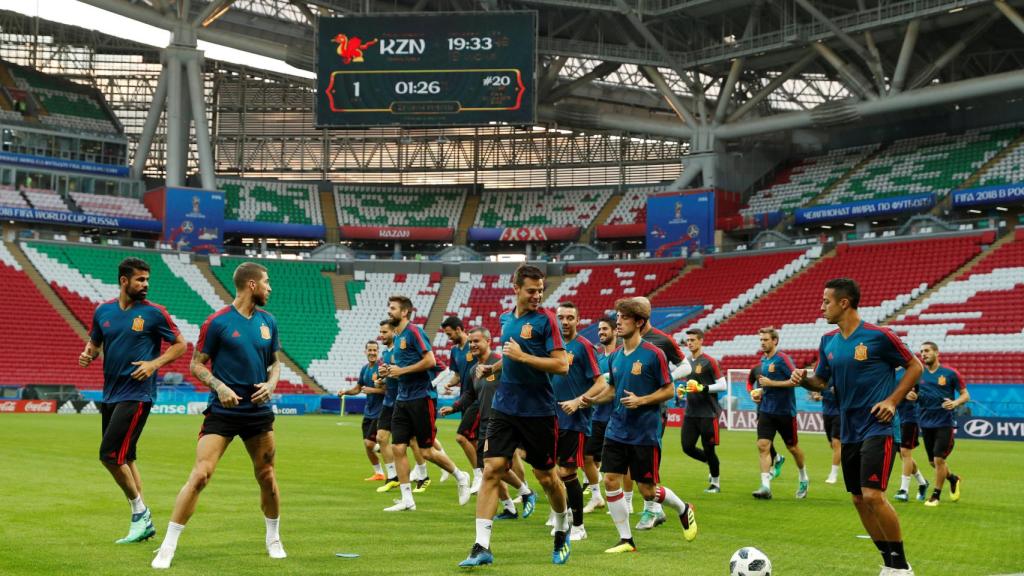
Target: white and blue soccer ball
{"points": [[750, 561]]}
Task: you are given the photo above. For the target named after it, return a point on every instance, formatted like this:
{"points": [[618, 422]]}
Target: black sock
{"points": [[936, 494], [883, 548], [574, 497], [898, 558]]}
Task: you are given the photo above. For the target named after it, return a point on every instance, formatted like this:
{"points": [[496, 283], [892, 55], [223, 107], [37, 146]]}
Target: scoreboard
{"points": [[438, 69]]}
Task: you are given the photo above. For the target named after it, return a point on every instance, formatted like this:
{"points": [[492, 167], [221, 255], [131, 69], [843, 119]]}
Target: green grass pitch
{"points": [[61, 512]]}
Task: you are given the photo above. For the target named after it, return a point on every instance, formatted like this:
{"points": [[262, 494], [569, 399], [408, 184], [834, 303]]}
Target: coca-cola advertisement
{"points": [[27, 406]]}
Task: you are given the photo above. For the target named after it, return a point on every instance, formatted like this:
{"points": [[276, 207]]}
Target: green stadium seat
{"points": [[270, 201], [402, 206]]}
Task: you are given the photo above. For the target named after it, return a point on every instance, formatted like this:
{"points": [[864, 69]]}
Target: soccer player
{"points": [[639, 382], [367, 384], [860, 360], [413, 418], [241, 343], [777, 459], [830, 421], [462, 364], [599, 418], [776, 412], [573, 417], [128, 331], [386, 337], [909, 436], [523, 412], [702, 409], [938, 385]]}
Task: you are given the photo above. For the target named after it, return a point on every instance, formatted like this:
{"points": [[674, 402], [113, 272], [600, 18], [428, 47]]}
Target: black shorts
{"points": [[122, 425], [832, 431], [769, 424], [231, 426], [867, 464], [538, 435], [642, 462], [384, 420], [570, 448], [470, 424], [909, 435], [938, 442], [595, 442], [414, 419], [369, 429], [706, 427]]}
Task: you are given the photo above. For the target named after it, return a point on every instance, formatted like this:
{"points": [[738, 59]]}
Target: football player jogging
{"points": [[367, 384], [413, 418], [599, 420], [462, 364], [938, 385], [128, 330], [573, 417], [776, 412], [777, 459], [639, 381], [241, 343], [523, 412], [386, 336], [700, 420], [860, 360], [910, 434]]}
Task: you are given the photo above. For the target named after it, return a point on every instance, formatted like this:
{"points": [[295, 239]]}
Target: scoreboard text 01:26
{"points": [[439, 69]]}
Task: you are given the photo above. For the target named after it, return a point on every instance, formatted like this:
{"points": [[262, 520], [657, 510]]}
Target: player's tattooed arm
{"points": [[227, 397]]}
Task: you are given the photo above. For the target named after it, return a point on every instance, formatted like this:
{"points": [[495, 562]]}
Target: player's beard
{"points": [[259, 299], [138, 295]]}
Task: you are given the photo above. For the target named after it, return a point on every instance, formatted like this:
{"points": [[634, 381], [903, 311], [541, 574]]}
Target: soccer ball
{"points": [[750, 561]]}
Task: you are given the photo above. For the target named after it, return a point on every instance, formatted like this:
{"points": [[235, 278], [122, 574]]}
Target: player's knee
{"points": [[647, 491], [201, 477], [265, 475]]}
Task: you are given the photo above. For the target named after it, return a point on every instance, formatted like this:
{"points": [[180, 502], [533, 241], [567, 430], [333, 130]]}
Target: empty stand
{"points": [[45, 199], [121, 206], [404, 206], [1007, 170], [480, 301], [270, 201], [594, 289], [557, 207], [632, 209], [12, 198], [796, 185]]}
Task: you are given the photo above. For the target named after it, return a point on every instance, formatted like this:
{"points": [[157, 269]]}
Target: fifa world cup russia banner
{"points": [[525, 234], [397, 233], [193, 218], [77, 219], [680, 222], [1002, 194], [866, 208]]}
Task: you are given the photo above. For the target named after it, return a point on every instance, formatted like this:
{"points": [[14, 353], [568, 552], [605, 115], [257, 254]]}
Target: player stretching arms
{"points": [[909, 434], [523, 412], [411, 362], [599, 418], [702, 409], [639, 382], [573, 417], [462, 364], [128, 330], [935, 400], [776, 412], [860, 360], [241, 342], [367, 384]]}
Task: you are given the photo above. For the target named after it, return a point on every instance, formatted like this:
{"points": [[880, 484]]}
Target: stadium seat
{"points": [[480, 302], [45, 199], [120, 206], [404, 206], [594, 289], [1007, 170], [632, 209], [270, 201], [12, 198], [532, 207]]}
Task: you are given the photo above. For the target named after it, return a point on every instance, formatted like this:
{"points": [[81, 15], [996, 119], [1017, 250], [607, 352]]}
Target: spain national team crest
{"points": [[697, 368], [401, 343], [138, 324], [570, 356], [492, 377], [860, 352], [638, 368], [265, 332], [469, 356], [527, 332], [771, 367], [942, 380]]}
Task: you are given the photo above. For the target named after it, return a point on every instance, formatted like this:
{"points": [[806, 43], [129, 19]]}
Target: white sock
{"points": [[920, 478], [904, 483], [656, 508], [137, 506], [524, 489], [421, 470], [483, 532], [562, 521], [666, 495], [392, 473], [715, 481], [802, 472], [272, 529], [766, 479], [377, 469], [406, 493], [171, 536], [620, 513], [835, 470], [628, 497], [509, 505], [595, 490], [478, 474]]}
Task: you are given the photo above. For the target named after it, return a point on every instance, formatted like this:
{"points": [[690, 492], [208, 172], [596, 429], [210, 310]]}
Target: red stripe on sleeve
{"points": [[959, 379], [904, 352], [419, 337], [206, 326], [167, 317], [591, 356], [714, 366], [789, 361], [556, 332], [666, 377]]}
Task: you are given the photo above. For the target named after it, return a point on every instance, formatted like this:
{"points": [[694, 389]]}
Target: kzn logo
{"points": [[351, 49]]}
